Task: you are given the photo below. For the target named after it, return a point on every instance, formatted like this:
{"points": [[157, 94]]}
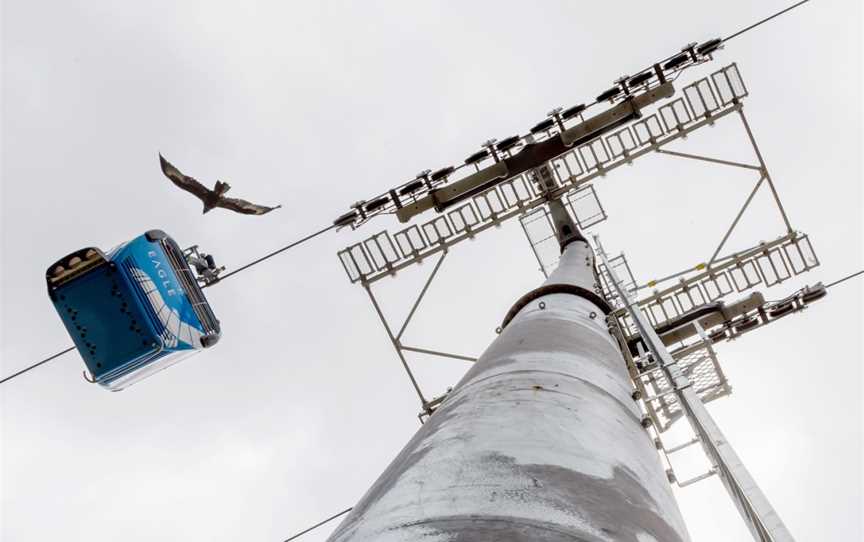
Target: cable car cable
{"points": [[275, 252], [46, 360], [765, 20], [71, 348], [220, 279], [331, 518], [312, 236], [836, 282]]}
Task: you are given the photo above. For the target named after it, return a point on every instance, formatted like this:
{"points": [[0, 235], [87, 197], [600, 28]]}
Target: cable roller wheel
{"points": [[609, 94], [640, 79], [442, 173], [543, 126], [571, 112], [508, 143], [477, 156]]}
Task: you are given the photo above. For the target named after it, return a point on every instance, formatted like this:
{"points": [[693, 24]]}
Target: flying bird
{"points": [[211, 198]]}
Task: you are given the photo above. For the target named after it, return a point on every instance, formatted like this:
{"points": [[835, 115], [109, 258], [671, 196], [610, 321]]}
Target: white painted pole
{"points": [[540, 440]]}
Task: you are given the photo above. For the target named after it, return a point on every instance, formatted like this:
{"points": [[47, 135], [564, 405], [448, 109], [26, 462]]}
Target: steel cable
{"points": [[270, 255], [844, 279], [312, 528], [46, 360], [763, 21], [220, 279]]}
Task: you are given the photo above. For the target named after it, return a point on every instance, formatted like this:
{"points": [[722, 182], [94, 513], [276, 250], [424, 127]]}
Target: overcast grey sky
{"points": [[315, 105]]}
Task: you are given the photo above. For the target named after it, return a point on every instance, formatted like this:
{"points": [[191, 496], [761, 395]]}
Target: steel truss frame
{"points": [[706, 103], [429, 405], [766, 263], [764, 176]]}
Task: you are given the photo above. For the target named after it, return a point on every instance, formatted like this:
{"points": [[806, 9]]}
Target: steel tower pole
{"points": [[540, 441]]}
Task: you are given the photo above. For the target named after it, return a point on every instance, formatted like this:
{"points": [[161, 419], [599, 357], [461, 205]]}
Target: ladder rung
{"points": [[699, 478], [665, 393], [680, 447]]}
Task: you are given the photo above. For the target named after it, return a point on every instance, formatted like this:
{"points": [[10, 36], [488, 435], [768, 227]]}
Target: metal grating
{"points": [[540, 233], [701, 367], [729, 84], [585, 207], [582, 205], [622, 269]]}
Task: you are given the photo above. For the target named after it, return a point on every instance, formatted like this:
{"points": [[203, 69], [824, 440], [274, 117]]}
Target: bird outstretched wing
{"points": [[185, 182], [242, 206]]}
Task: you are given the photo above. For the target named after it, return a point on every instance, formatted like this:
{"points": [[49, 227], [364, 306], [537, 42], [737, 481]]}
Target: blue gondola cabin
{"points": [[133, 311]]}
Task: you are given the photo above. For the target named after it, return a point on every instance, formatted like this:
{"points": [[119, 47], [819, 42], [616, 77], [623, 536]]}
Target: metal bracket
{"points": [[573, 169], [428, 406], [764, 175], [206, 270]]}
